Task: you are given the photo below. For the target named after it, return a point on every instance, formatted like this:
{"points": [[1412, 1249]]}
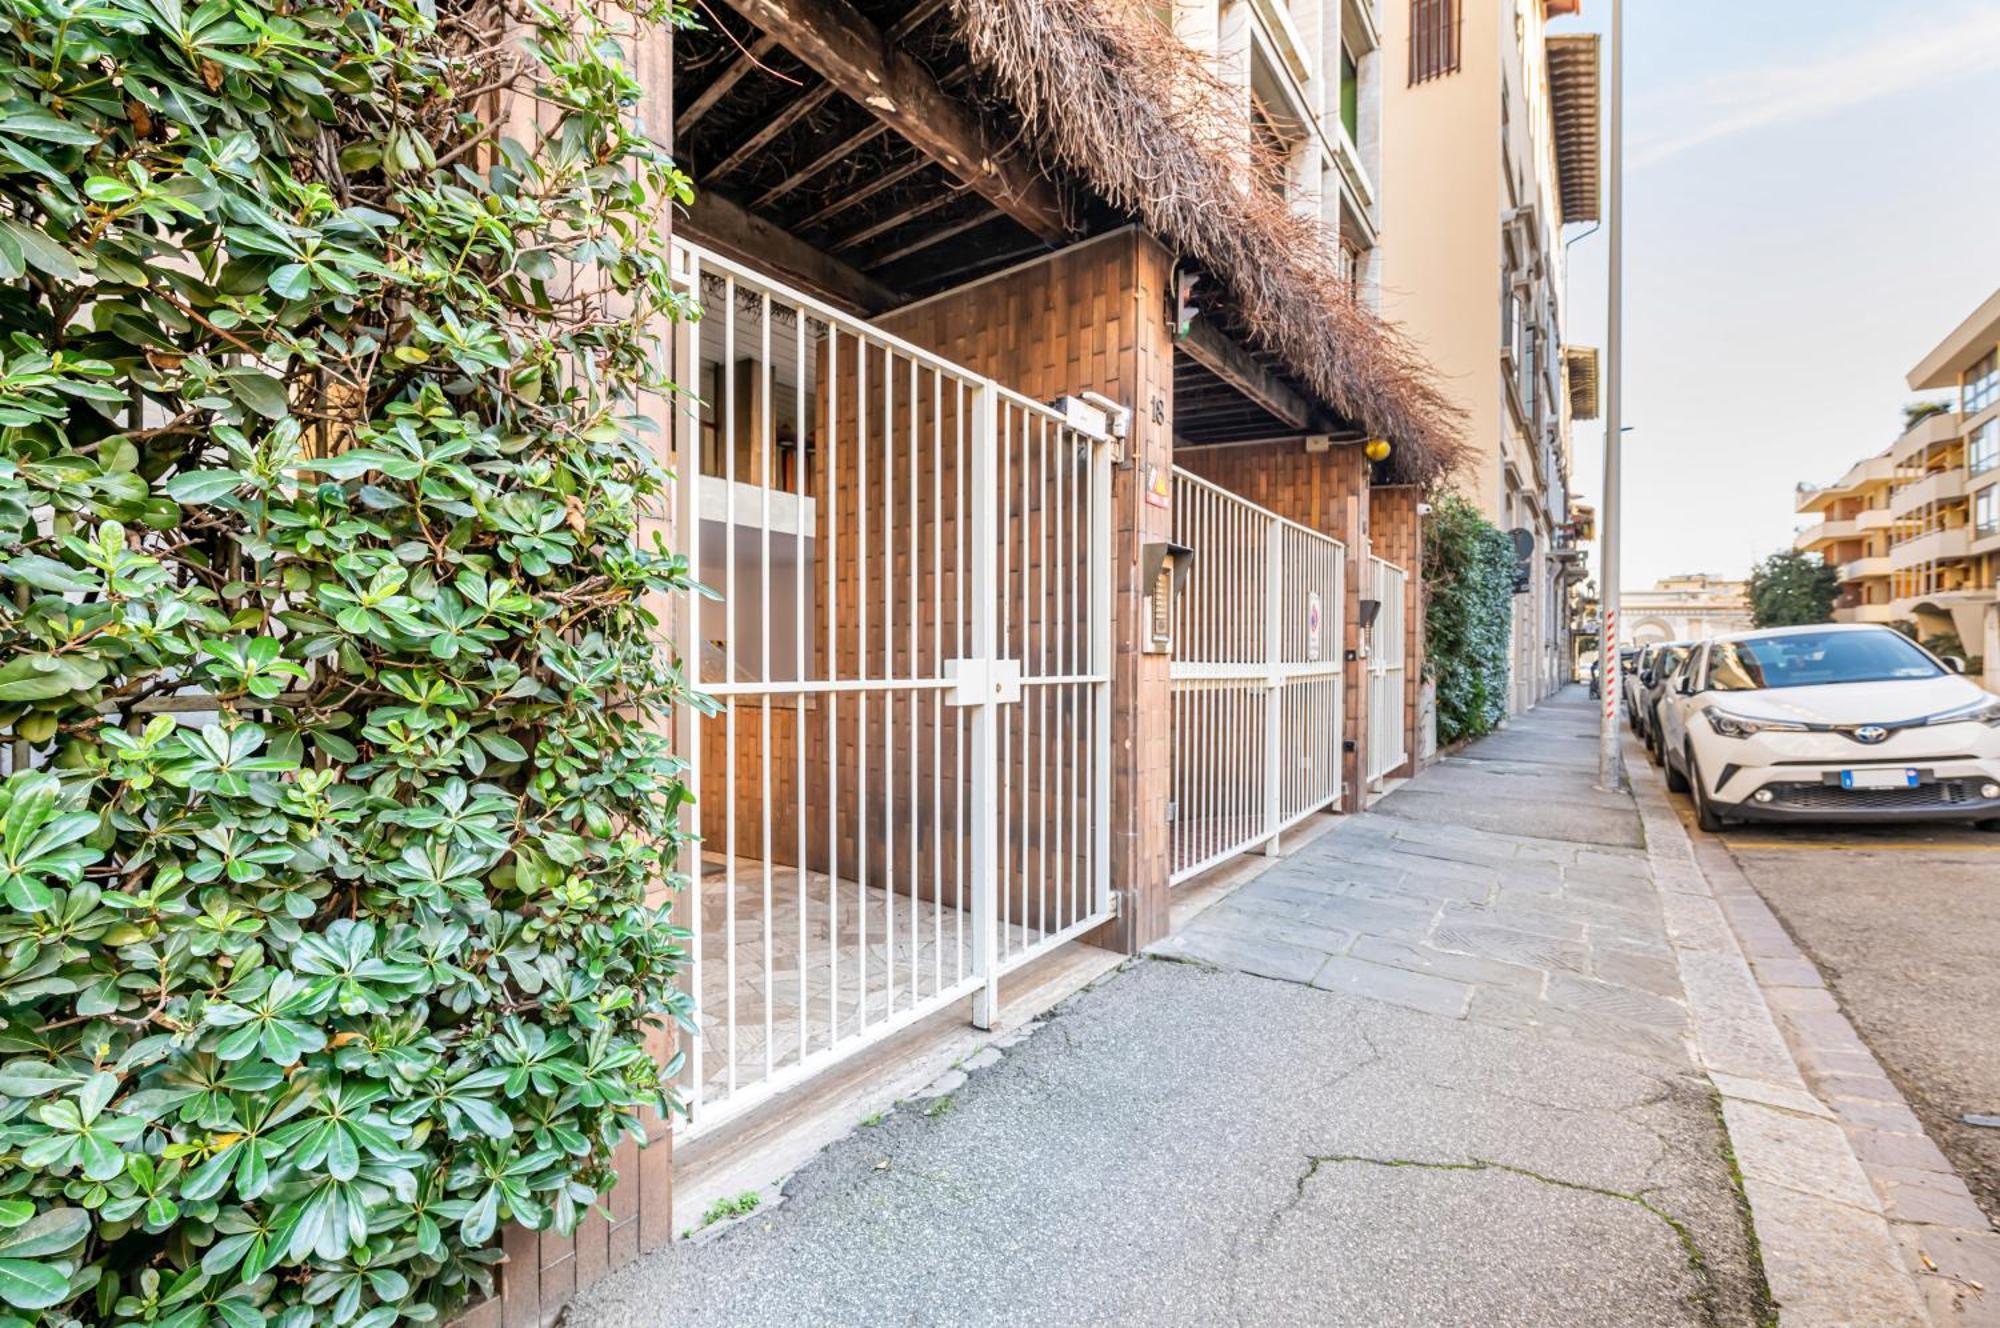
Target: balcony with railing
{"points": [[1929, 547], [1937, 487], [1860, 569], [1866, 613], [1860, 476], [1822, 533], [1924, 437]]}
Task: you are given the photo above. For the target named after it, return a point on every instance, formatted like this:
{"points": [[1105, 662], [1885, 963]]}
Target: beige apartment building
{"points": [[1915, 529], [1488, 103]]}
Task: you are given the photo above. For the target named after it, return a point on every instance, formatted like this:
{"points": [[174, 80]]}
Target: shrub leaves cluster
{"points": [[1468, 616], [339, 818]]}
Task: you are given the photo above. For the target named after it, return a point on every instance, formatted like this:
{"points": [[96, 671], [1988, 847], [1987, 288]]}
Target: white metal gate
{"points": [[904, 790], [1256, 675], [1388, 744]]}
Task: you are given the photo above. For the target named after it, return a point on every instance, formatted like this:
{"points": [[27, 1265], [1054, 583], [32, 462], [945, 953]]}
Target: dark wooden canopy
{"points": [[851, 146]]}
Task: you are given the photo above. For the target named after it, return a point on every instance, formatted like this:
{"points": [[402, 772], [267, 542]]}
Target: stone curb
{"points": [[1948, 1244], [1834, 1250]]}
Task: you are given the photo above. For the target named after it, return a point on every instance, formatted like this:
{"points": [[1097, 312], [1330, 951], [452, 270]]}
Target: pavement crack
{"points": [[1704, 1293]]}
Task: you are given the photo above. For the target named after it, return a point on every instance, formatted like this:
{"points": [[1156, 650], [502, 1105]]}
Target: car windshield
{"points": [[1809, 659]]}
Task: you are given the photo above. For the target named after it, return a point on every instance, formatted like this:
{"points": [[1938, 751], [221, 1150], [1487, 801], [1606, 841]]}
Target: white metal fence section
{"points": [[903, 788], [1256, 675], [1388, 745]]}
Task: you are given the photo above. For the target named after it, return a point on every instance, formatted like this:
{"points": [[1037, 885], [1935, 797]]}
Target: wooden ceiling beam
{"points": [[1239, 368], [736, 231], [930, 238], [883, 225], [713, 94], [858, 139], [853, 55], [799, 109], [864, 192], [874, 130]]}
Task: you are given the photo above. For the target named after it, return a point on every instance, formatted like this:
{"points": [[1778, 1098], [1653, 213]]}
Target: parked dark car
{"points": [[1655, 676], [1636, 663]]}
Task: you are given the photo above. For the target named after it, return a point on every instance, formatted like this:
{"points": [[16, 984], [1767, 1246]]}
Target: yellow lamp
{"points": [[1376, 449]]}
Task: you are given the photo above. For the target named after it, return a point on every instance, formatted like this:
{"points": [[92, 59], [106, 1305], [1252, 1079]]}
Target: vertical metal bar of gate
{"points": [[983, 715], [1257, 687], [854, 749]]}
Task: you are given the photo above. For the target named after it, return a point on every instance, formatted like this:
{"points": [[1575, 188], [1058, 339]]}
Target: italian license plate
{"points": [[1878, 779]]}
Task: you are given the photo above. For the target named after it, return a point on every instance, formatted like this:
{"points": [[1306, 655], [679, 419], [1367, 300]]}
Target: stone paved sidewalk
{"points": [[1431, 1071], [1498, 886]]}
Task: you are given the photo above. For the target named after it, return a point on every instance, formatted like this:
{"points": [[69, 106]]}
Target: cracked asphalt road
{"points": [[1180, 1144]]}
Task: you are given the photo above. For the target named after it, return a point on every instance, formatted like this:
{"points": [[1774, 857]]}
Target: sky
{"points": [[1812, 202]]}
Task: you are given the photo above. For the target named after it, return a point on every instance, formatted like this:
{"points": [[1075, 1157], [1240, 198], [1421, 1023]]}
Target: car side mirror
{"points": [[1684, 685], [1955, 663], [1646, 678]]}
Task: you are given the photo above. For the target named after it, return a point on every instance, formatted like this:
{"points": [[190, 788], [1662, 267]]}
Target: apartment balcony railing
{"points": [[1938, 486], [1874, 470], [1860, 569], [1826, 532], [1935, 546], [1865, 613], [1932, 432], [1875, 518]]}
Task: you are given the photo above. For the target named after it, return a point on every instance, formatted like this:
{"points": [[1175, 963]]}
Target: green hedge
{"points": [[1469, 582], [321, 399]]}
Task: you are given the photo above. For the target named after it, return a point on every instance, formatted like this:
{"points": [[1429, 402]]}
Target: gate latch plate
{"points": [[976, 681]]}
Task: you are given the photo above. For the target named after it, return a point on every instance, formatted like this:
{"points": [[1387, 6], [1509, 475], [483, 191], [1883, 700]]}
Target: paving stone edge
{"points": [[1849, 1233]]}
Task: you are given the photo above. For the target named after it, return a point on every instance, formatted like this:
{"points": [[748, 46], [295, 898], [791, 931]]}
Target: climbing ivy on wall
{"points": [[339, 817], [1469, 584]]}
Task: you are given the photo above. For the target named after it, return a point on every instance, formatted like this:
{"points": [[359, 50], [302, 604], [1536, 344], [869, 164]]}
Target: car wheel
{"points": [[1705, 814], [1655, 744], [1676, 780]]}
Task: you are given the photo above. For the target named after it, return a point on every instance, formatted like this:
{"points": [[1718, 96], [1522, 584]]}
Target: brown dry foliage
{"points": [[1106, 91]]}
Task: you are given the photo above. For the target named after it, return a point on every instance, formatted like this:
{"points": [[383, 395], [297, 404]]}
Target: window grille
{"points": [[1435, 30]]}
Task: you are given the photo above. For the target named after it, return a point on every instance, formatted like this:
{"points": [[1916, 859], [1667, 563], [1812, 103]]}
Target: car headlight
{"points": [[1986, 711], [1742, 726]]}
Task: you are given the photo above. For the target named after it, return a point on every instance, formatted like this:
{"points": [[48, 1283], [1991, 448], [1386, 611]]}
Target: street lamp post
{"points": [[1610, 767]]}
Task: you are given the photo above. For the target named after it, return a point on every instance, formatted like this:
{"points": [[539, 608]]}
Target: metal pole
{"points": [[1610, 768]]}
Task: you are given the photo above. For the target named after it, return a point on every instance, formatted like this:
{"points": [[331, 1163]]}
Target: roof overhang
{"points": [[1966, 346], [1575, 107], [883, 151]]}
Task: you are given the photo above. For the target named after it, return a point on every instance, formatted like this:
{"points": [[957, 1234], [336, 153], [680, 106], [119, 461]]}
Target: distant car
{"points": [[1841, 722], [1632, 681], [1628, 659], [1655, 675]]}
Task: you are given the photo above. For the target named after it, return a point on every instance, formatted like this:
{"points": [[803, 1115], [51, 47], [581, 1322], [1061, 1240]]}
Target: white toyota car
{"points": [[1840, 722]]}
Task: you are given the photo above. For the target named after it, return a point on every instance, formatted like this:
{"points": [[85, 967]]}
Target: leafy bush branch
{"points": [[1469, 581], [340, 822]]}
